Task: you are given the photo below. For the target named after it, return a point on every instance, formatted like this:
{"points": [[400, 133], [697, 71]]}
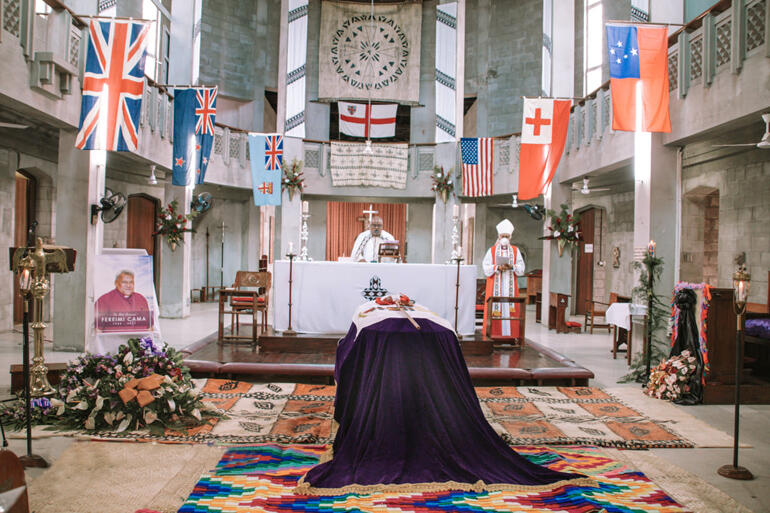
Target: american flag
{"points": [[205, 110], [273, 152], [112, 86], [477, 155]]}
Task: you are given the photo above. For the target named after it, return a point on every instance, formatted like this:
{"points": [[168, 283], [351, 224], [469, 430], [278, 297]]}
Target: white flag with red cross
{"points": [[369, 121]]}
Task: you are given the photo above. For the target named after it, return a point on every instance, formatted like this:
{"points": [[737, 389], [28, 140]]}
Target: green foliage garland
{"points": [[657, 318]]}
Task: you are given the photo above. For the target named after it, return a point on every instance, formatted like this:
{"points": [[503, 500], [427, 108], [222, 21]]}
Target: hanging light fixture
{"points": [[152, 180], [515, 202]]}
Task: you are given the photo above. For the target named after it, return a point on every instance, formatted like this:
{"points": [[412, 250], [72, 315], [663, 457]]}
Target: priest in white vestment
{"points": [[502, 263], [367, 245]]}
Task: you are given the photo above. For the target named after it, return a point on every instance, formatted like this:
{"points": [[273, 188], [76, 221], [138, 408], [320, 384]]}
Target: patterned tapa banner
{"points": [[446, 72], [295, 69], [361, 55], [386, 166]]}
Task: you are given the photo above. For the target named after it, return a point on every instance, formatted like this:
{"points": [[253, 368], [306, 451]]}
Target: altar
{"points": [[325, 294]]}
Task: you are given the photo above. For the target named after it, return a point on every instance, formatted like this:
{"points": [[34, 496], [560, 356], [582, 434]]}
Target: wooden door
{"points": [[24, 212], [584, 287], [142, 211]]}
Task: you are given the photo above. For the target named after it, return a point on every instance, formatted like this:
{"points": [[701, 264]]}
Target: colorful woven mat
{"points": [[262, 478], [299, 413]]}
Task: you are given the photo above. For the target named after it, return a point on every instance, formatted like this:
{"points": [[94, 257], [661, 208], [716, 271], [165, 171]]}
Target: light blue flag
{"points": [[266, 153]]}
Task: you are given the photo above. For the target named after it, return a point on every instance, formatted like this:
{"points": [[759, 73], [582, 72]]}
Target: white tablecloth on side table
{"points": [[619, 314], [325, 294]]}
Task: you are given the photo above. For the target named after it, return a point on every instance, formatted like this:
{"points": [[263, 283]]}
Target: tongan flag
{"points": [[543, 132], [639, 54], [477, 155], [112, 86], [363, 120], [194, 113], [266, 151]]}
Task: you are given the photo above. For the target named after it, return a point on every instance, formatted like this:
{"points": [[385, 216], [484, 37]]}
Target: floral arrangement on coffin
{"points": [[564, 228], [140, 386], [669, 379], [172, 224], [442, 182], [292, 178]]}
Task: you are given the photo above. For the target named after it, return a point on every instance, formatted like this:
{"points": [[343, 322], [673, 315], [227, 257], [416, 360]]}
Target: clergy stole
{"points": [[503, 284]]}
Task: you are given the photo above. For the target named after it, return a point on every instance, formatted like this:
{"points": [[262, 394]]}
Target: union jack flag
{"points": [[273, 152], [112, 86], [205, 111]]}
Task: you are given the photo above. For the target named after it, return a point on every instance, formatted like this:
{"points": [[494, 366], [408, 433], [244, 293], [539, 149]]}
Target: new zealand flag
{"points": [[194, 113]]}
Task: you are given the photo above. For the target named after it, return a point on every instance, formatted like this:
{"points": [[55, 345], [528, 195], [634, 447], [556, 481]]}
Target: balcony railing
{"points": [[720, 44]]}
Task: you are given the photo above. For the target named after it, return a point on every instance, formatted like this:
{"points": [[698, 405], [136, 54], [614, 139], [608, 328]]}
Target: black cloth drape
{"points": [[687, 339]]}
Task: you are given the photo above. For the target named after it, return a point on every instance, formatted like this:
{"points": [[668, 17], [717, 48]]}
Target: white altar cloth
{"points": [[326, 294], [619, 314]]}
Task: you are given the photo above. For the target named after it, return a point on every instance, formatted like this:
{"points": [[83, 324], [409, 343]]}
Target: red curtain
{"points": [[344, 223]]}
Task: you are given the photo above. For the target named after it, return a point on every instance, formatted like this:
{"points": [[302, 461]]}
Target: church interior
{"points": [[445, 238]]}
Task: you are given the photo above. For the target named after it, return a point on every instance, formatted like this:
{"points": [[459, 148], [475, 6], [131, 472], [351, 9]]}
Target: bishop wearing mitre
{"points": [[502, 263], [367, 245]]}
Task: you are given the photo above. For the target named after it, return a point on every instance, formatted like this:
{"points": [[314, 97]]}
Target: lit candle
{"points": [[305, 207], [291, 248], [455, 210], [651, 248]]}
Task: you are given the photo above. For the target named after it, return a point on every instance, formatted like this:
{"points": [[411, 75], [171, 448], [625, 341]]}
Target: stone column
{"points": [[291, 222], [665, 189], [557, 271], [442, 228], [7, 224], [79, 184], [250, 250], [175, 265], [283, 45]]}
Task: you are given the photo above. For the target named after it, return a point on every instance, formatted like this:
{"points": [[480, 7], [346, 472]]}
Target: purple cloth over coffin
{"points": [[758, 328], [408, 413]]}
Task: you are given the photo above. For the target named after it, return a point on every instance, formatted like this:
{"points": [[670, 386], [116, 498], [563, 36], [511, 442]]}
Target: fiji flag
{"points": [[194, 113], [266, 151], [639, 55]]}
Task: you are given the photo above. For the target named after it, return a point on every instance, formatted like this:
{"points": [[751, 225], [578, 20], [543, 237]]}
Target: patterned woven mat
{"points": [[262, 478], [298, 413]]}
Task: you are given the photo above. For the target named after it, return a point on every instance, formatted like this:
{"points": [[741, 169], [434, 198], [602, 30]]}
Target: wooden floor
{"points": [[313, 356]]}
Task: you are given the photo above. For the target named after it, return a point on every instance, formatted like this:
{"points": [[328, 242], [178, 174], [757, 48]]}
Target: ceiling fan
{"points": [[585, 189], [763, 144], [536, 212]]}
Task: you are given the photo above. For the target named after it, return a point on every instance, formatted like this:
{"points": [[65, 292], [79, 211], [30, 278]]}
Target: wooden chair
{"points": [[518, 341], [557, 314], [534, 285], [538, 305], [249, 304], [596, 309], [481, 292]]}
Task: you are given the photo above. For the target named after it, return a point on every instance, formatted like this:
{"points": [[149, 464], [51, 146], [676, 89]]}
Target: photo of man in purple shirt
{"points": [[122, 309]]}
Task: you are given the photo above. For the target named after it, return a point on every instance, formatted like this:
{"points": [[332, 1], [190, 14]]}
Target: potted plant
{"points": [[442, 182], [292, 178], [564, 228], [172, 224]]}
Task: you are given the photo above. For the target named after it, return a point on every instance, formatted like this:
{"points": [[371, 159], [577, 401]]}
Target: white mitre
{"points": [[505, 226]]}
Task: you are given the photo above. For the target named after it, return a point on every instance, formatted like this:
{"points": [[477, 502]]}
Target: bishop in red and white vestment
{"points": [[502, 282]]}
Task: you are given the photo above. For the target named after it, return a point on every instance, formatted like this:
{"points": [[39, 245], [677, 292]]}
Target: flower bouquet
{"points": [[442, 182], [669, 379], [140, 386], [292, 178], [564, 228], [173, 224]]}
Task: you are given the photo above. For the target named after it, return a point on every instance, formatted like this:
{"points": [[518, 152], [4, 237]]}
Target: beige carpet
{"points": [[107, 477]]}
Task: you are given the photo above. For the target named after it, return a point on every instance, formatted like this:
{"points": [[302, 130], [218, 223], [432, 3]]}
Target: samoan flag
{"points": [[638, 57], [266, 152], [113, 83], [194, 113]]}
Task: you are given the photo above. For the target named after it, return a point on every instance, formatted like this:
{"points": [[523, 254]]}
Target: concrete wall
{"points": [[7, 219], [743, 183], [418, 232], [503, 58], [239, 50]]}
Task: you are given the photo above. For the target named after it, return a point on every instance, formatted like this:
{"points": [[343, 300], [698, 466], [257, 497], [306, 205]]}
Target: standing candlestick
{"points": [[457, 260], [290, 255], [455, 239], [304, 235]]}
